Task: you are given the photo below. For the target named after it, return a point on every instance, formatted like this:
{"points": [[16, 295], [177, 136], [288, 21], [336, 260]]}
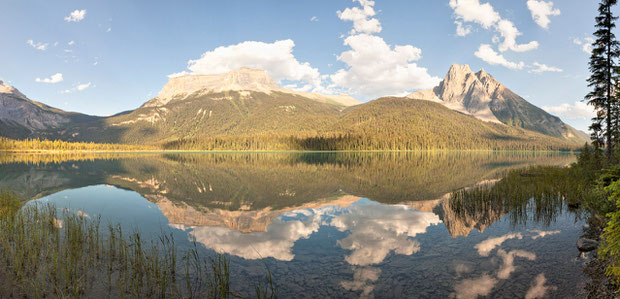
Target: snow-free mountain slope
{"points": [[21, 117]]}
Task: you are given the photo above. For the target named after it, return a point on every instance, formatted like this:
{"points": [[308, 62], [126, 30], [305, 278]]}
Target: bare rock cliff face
{"points": [[244, 79], [482, 96], [17, 110]]}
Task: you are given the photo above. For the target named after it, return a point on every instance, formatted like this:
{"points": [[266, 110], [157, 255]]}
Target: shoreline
{"points": [[271, 151]]}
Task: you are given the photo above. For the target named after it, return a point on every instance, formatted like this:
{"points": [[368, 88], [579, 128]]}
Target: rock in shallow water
{"points": [[585, 244]]}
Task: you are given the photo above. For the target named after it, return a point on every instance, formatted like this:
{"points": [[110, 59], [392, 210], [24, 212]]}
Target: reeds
{"points": [[51, 255], [538, 193]]}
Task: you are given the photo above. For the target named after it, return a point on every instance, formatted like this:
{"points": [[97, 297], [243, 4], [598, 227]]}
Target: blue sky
{"points": [[115, 55]]}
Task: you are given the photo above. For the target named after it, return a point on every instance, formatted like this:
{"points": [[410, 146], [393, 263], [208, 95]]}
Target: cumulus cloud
{"points": [[539, 68], [462, 30], [473, 288], [373, 67], [508, 259], [585, 44], [538, 288], [541, 11], [376, 68], [485, 247], [39, 46], [376, 230], [486, 16], [473, 11], [76, 15], [53, 79], [488, 55], [578, 110], [510, 33], [79, 87], [276, 59], [361, 17]]}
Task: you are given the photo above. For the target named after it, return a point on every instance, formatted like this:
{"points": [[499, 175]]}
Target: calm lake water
{"points": [[327, 224]]}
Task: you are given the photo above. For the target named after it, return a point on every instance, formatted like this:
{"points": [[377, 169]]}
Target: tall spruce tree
{"points": [[604, 68]]}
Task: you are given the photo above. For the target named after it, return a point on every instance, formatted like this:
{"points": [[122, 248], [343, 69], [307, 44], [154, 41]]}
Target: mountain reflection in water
{"points": [[327, 224]]}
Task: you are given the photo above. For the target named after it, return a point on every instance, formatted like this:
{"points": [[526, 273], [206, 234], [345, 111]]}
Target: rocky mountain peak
{"points": [[10, 90], [482, 96], [459, 71]]}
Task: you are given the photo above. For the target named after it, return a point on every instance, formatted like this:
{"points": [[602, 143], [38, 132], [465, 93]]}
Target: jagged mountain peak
{"points": [[481, 95]]}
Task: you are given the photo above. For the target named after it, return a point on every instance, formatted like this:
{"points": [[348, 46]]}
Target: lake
{"points": [[343, 225]]}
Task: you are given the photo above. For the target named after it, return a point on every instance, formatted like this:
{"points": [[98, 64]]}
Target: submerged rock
{"points": [[585, 244]]}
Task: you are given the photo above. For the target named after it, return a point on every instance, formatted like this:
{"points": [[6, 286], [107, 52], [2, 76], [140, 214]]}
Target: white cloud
{"points": [[76, 16], [361, 17], [109, 29], [474, 288], [53, 79], [377, 69], [79, 87], [473, 11], [39, 46], [373, 67], [572, 111], [539, 68], [488, 55], [541, 11], [376, 230], [275, 58], [485, 15], [71, 43], [462, 30], [538, 288], [585, 43], [510, 33], [314, 19], [485, 247]]}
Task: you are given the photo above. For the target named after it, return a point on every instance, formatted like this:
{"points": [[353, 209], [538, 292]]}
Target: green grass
{"points": [[50, 255]]}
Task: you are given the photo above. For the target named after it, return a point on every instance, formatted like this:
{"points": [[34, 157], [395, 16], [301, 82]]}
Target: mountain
{"points": [[481, 95], [247, 110], [21, 117], [245, 79]]}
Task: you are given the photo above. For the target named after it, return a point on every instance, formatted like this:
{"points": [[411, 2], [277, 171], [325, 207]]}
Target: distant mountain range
{"points": [[246, 109]]}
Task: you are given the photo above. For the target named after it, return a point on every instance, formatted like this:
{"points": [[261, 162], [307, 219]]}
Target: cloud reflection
{"points": [[277, 241], [508, 259], [542, 234], [363, 280], [538, 288], [376, 230], [472, 288], [485, 247]]}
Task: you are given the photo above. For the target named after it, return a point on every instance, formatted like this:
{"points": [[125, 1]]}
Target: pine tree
{"points": [[603, 66]]}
